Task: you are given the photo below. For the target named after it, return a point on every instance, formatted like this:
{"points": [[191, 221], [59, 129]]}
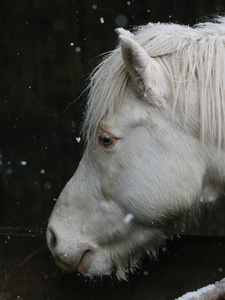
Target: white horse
{"points": [[155, 147]]}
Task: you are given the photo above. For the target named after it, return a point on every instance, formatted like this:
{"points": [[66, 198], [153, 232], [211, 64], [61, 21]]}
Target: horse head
{"points": [[145, 164]]}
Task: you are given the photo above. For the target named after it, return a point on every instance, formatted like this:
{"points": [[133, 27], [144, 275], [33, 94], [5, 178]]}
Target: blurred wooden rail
{"points": [[27, 270]]}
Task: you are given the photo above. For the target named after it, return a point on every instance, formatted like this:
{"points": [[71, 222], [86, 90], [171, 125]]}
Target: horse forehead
{"points": [[131, 111]]}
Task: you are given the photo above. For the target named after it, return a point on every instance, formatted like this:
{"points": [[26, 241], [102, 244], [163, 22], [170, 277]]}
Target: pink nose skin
{"points": [[80, 262]]}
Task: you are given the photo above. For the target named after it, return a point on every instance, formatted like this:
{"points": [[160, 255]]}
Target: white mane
{"points": [[194, 59]]}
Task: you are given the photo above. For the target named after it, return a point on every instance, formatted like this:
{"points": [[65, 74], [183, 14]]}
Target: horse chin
{"points": [[100, 266]]}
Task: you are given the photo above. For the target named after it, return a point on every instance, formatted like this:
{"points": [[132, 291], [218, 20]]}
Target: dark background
{"points": [[47, 50]]}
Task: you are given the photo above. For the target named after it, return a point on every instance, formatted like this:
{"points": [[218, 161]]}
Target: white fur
{"points": [[161, 96]]}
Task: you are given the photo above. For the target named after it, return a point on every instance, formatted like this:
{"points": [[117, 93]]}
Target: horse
{"points": [[154, 131]]}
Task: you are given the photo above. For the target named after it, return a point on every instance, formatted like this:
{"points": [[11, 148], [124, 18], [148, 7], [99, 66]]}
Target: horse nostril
{"points": [[51, 239]]}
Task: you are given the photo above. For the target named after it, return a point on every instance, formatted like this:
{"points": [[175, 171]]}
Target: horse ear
{"points": [[146, 73], [122, 31]]}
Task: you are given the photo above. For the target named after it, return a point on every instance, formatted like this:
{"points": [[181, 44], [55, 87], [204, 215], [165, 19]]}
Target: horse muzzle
{"points": [[79, 259]]}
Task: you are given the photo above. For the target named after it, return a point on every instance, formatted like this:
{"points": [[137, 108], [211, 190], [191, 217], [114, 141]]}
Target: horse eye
{"points": [[106, 140]]}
